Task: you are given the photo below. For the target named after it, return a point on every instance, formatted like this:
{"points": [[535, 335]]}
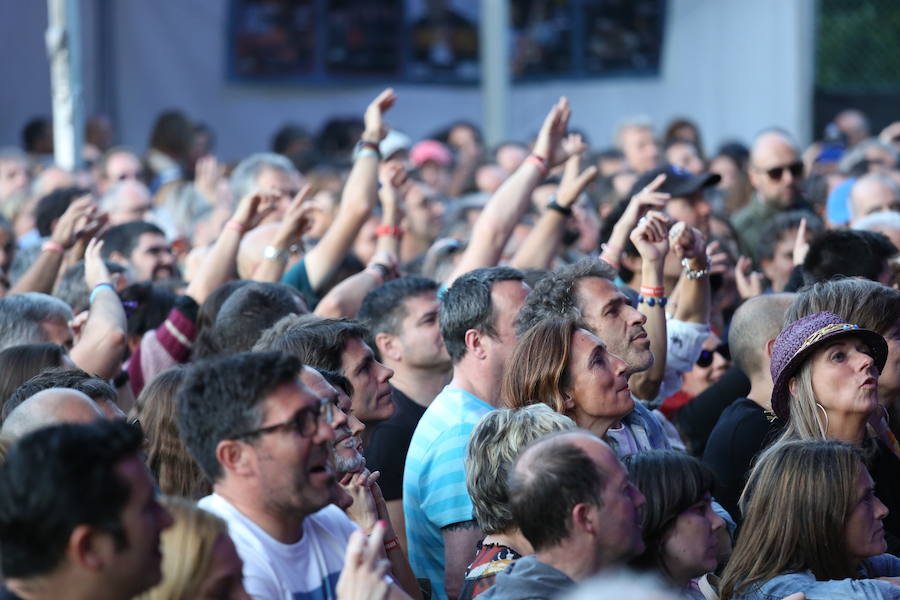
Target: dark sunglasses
{"points": [[304, 422], [796, 169], [706, 356]]}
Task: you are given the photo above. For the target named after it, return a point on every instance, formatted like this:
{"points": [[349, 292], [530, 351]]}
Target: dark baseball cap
{"points": [[678, 184]]}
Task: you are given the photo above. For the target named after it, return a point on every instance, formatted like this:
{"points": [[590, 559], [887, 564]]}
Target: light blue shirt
{"points": [[434, 480]]}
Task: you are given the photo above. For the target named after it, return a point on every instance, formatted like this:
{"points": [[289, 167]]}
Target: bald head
{"points": [[873, 193], [127, 201], [775, 168], [49, 407], [755, 322]]}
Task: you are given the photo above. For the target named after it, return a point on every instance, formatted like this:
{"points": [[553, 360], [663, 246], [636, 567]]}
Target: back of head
{"points": [[494, 445], [49, 407], [316, 341], [205, 344], [172, 466], [172, 134], [21, 316], [187, 547], [222, 398], [123, 239], [467, 305], [252, 309], [56, 479], [555, 294], [537, 369], [671, 482], [549, 478], [96, 389], [243, 178], [383, 308], [847, 253], [862, 302], [797, 498], [149, 306], [754, 323], [52, 206], [18, 364]]}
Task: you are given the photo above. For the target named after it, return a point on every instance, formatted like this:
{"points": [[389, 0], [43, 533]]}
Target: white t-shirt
{"points": [[306, 570]]}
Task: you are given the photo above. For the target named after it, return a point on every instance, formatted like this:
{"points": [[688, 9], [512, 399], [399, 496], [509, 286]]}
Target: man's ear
{"points": [[475, 344], [583, 518], [235, 457], [90, 548], [388, 346], [769, 345]]}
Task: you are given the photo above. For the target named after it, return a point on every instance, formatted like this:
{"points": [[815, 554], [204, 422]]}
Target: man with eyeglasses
{"points": [[264, 440], [776, 173]]}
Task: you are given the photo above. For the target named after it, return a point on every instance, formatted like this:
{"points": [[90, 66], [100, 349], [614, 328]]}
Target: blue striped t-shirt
{"points": [[434, 480]]}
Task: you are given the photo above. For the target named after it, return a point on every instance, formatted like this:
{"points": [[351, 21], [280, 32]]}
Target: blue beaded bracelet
{"points": [[653, 301]]}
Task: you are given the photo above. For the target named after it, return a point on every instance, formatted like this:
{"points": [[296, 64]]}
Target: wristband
{"points": [[656, 292], [390, 230], [391, 544], [694, 274], [610, 262], [540, 163], [379, 271], [51, 246], [566, 211], [653, 301], [235, 226], [97, 289], [364, 148]]}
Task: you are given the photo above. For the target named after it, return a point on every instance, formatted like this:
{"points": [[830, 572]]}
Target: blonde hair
{"points": [[807, 421], [187, 548]]}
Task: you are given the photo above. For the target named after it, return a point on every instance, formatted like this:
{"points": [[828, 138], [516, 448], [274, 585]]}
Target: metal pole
{"points": [[63, 38], [493, 32]]}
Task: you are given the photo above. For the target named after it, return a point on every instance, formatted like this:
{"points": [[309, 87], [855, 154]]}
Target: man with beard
{"points": [[402, 318], [141, 246]]}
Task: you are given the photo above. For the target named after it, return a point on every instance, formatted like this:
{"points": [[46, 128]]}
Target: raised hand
{"points": [[749, 283], [375, 127], [687, 242], [296, 220], [95, 271], [363, 575], [801, 246], [646, 199], [80, 213], [573, 182], [549, 143], [254, 207], [651, 236]]}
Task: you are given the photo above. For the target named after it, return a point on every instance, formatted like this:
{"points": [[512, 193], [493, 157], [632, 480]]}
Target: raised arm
{"points": [[542, 243], [293, 225], [506, 207], [102, 344], [357, 198], [694, 292], [640, 203]]}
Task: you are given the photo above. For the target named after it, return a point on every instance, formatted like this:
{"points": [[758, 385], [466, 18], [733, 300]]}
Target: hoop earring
{"points": [[824, 429]]}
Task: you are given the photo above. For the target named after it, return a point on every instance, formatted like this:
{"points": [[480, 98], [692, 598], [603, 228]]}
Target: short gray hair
{"points": [[858, 153], [493, 447], [243, 179], [882, 218], [632, 122], [21, 316]]}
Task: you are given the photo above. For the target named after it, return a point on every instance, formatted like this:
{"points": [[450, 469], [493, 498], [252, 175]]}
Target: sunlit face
{"points": [[507, 298], [863, 530], [598, 387], [690, 547], [371, 399], [424, 212], [347, 458], [778, 268], [694, 211], [704, 373], [780, 190], [419, 335], [844, 376], [640, 149], [726, 169], [152, 258], [611, 318], [685, 156]]}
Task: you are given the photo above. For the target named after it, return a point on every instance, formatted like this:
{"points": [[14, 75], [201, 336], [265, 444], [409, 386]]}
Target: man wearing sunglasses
{"points": [[776, 173], [264, 440]]}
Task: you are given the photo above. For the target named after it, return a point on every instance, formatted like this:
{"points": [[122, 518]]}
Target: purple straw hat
{"points": [[802, 337]]}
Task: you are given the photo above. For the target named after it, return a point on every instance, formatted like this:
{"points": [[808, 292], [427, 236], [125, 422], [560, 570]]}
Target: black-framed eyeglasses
{"points": [[304, 422], [796, 169], [706, 356]]}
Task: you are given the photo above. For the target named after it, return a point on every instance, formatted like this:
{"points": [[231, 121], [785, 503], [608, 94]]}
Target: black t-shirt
{"points": [[389, 442], [741, 432], [696, 419], [884, 468]]}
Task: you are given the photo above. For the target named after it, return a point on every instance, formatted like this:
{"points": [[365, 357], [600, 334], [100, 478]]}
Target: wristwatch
{"points": [[273, 253], [554, 205]]}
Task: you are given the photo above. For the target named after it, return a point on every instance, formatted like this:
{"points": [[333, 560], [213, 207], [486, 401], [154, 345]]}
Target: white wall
{"points": [[734, 66]]}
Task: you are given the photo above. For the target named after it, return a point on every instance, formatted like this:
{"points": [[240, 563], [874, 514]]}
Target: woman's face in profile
{"points": [[598, 385], [863, 530], [844, 376]]}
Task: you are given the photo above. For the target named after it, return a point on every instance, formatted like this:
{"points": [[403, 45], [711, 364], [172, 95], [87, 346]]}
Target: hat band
{"points": [[825, 331]]}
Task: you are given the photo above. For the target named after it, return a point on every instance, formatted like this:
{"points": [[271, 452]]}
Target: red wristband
{"points": [[235, 226], [611, 263], [655, 291], [391, 544], [51, 246], [540, 163], [391, 230]]}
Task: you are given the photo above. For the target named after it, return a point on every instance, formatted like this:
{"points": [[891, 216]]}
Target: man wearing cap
{"points": [[776, 173]]}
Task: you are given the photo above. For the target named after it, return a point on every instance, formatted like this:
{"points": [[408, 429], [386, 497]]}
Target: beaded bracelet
{"points": [[692, 274], [653, 301]]}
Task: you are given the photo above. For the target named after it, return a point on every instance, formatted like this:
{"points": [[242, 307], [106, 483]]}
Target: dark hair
{"points": [[851, 253], [72, 288], [337, 381], [172, 134], [98, 390], [18, 364], [205, 345], [315, 340], [251, 310], [383, 309], [467, 305], [55, 479], [52, 206], [781, 224], [34, 130], [671, 482], [546, 482], [123, 238], [221, 398], [172, 466], [286, 135], [555, 294], [150, 304]]}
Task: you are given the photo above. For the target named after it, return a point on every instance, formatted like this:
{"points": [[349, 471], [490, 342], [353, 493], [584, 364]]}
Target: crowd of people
{"points": [[359, 367]]}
